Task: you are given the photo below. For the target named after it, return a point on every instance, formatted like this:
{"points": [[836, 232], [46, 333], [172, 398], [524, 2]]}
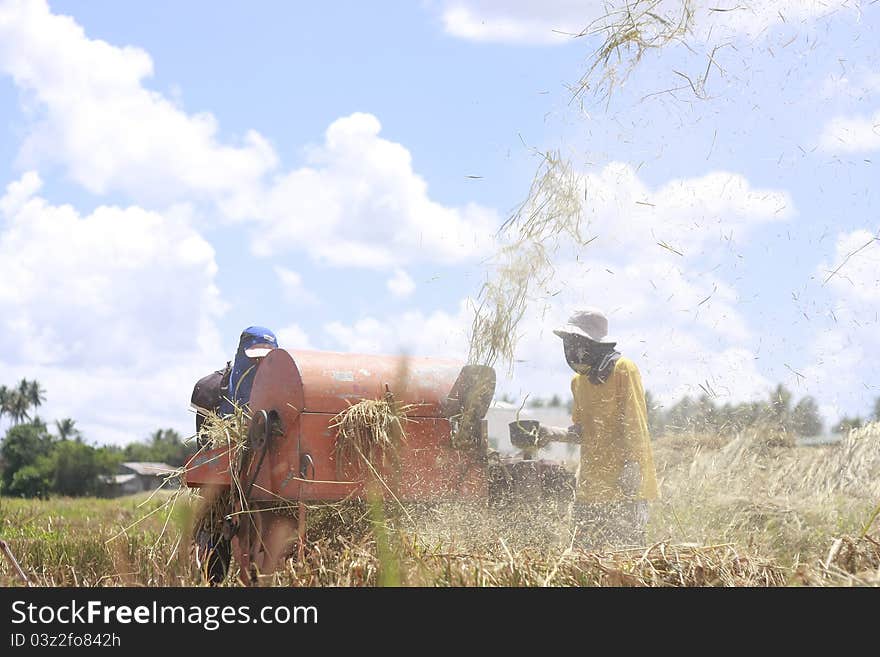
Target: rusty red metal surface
{"points": [[208, 468], [306, 389], [331, 381]]}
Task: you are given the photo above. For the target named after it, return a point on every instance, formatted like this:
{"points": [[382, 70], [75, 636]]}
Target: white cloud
{"points": [[851, 134], [835, 370], [438, 334], [692, 215], [676, 319], [653, 248], [78, 294], [838, 368], [525, 21], [293, 337], [357, 201], [114, 311], [93, 115], [401, 284], [854, 83], [522, 22], [293, 287], [752, 18], [20, 192], [360, 203], [857, 267]]}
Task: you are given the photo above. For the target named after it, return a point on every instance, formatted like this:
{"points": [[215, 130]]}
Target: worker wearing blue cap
{"points": [[217, 392], [254, 344]]}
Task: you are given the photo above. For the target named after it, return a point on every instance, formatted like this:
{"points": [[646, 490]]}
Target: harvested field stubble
{"points": [[735, 512], [659, 565], [787, 502]]}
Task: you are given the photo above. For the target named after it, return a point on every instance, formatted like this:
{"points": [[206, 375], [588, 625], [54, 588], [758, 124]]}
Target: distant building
{"points": [[501, 414], [137, 477]]}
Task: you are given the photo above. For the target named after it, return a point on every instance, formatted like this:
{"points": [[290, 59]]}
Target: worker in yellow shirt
{"points": [[616, 477]]}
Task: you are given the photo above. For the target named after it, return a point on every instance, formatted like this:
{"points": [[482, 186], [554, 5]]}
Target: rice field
{"points": [[744, 511]]}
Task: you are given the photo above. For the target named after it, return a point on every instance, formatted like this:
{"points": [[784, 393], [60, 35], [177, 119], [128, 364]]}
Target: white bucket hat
{"points": [[589, 323]]}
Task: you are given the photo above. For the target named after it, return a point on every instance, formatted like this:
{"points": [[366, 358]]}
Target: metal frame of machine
{"points": [[290, 458]]}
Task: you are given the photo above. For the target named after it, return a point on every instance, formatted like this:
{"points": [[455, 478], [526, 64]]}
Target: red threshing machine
{"points": [[290, 455]]}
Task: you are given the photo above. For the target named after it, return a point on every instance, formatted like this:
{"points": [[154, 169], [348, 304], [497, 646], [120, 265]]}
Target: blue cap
{"points": [[257, 341]]}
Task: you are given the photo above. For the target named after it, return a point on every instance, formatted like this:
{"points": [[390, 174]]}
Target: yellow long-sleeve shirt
{"points": [[614, 421]]}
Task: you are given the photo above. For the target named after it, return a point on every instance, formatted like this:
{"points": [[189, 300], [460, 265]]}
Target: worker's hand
{"points": [[630, 480], [570, 434]]}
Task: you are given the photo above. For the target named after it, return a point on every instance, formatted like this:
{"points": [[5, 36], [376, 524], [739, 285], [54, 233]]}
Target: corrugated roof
{"points": [[149, 468], [122, 479]]}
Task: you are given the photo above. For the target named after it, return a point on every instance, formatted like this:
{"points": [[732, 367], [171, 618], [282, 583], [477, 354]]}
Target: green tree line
{"points": [[777, 412], [704, 415], [39, 461]]}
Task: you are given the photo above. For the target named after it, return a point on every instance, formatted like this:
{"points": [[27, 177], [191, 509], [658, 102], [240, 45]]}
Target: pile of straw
{"points": [[851, 467], [370, 430], [226, 430], [207, 508]]}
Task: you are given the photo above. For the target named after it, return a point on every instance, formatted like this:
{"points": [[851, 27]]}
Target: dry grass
{"points": [[850, 561], [787, 503], [226, 430], [70, 542], [628, 33], [522, 266], [370, 431], [208, 508], [659, 565], [553, 206], [502, 302], [734, 512]]}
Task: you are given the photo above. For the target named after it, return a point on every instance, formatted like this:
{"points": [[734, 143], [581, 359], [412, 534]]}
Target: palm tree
{"points": [[19, 405], [35, 393], [67, 429], [4, 401]]}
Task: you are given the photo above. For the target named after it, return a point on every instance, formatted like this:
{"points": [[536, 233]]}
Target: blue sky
{"points": [[175, 172]]}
